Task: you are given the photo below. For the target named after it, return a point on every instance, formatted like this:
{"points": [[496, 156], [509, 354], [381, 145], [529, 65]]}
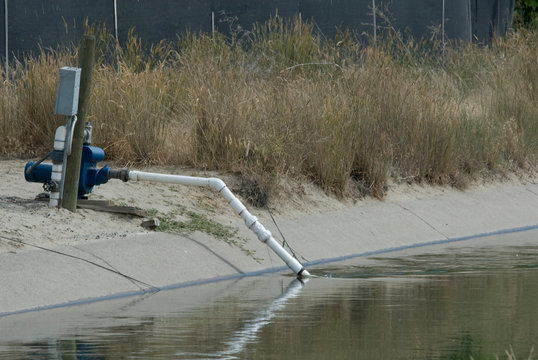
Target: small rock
{"points": [[150, 224]]}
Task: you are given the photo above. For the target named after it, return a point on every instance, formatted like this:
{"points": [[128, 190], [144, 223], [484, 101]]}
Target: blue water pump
{"points": [[90, 175], [53, 175]]}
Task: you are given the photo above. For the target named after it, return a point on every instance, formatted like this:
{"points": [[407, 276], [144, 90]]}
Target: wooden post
{"points": [[72, 171]]}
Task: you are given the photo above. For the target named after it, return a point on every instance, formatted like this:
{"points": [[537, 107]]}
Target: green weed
{"points": [[193, 221]]}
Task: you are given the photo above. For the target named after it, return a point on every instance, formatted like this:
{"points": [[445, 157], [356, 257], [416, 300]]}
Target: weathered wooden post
{"points": [[72, 171]]}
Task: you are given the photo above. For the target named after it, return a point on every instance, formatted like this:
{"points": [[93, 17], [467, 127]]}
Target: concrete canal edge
{"points": [[35, 280]]}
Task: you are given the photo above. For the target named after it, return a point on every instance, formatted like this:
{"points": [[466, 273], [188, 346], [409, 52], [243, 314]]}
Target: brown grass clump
{"points": [[285, 101]]}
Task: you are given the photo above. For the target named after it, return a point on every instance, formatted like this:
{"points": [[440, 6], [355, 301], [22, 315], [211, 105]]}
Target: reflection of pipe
{"points": [[251, 221], [251, 329]]}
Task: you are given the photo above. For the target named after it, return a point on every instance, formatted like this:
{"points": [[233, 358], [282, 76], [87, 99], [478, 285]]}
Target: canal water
{"points": [[472, 299]]}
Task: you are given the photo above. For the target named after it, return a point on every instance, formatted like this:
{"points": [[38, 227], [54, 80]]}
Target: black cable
{"points": [[107, 263], [284, 242], [149, 286]]}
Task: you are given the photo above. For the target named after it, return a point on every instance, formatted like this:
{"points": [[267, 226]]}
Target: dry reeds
{"points": [[288, 101]]}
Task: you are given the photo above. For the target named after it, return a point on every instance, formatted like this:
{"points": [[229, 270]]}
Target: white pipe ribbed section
{"points": [[251, 221]]}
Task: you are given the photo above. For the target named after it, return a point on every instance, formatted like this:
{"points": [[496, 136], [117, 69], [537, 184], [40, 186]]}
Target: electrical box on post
{"points": [[68, 89]]}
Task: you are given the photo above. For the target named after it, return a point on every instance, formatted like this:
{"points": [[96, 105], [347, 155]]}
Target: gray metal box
{"points": [[68, 89]]}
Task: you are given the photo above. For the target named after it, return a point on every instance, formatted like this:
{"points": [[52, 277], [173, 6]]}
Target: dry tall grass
{"points": [[286, 101]]}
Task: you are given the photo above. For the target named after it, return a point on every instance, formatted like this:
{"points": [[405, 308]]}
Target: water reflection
{"points": [[250, 332], [451, 305]]}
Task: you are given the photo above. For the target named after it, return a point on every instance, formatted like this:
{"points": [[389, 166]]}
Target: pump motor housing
{"points": [[90, 175]]}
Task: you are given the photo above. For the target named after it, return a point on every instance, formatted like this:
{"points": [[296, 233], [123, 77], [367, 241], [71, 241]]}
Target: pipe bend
{"points": [[216, 184]]}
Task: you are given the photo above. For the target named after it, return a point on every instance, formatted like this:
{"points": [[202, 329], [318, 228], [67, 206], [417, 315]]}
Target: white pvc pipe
{"points": [[57, 168], [251, 221]]}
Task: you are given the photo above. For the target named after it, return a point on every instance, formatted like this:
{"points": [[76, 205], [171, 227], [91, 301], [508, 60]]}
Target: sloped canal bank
{"points": [[449, 301]]}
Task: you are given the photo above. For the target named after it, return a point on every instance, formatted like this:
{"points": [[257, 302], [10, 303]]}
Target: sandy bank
{"points": [[317, 227]]}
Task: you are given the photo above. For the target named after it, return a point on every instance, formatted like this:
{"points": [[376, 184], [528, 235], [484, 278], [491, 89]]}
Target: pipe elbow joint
{"points": [[216, 184]]}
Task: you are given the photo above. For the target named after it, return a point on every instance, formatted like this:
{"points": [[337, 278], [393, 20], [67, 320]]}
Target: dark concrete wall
{"points": [[421, 17], [491, 18], [34, 23], [162, 19]]}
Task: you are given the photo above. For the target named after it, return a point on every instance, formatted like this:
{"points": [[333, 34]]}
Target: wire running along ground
{"points": [[136, 282]]}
